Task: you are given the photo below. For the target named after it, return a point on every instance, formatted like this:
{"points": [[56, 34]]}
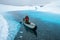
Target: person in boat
{"points": [[26, 20]]}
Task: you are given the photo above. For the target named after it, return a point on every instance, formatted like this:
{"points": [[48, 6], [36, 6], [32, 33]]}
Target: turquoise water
{"points": [[14, 26], [14, 17], [45, 16]]}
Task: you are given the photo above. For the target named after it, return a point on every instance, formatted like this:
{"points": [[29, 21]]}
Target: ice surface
{"points": [[9, 26], [3, 28]]}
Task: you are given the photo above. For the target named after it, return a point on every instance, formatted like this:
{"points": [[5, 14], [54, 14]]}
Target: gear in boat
{"points": [[29, 24]]}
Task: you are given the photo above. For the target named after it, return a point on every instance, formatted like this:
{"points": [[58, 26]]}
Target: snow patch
{"points": [[3, 28], [53, 7], [6, 8]]}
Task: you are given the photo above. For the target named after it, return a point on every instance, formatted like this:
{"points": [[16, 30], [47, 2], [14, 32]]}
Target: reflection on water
{"points": [[30, 30]]}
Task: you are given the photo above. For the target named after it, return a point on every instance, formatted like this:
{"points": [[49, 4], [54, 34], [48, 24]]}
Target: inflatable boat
{"points": [[31, 25]]}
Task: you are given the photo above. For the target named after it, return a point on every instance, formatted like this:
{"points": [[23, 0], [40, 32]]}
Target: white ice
{"points": [[3, 28]]}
